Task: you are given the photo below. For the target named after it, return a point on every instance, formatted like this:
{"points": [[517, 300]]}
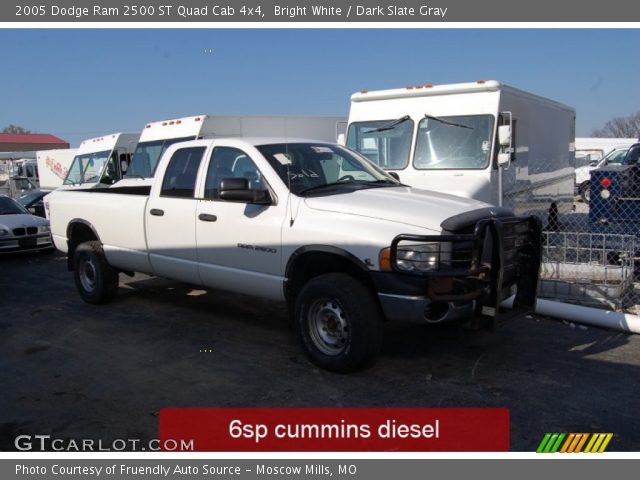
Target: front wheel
{"points": [[96, 280], [585, 192], [339, 323]]}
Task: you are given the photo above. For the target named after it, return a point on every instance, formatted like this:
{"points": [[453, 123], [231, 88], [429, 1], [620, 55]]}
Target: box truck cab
{"points": [[101, 160], [483, 140], [156, 137]]}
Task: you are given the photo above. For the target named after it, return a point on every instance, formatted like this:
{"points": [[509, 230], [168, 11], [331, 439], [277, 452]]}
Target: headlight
{"points": [[418, 258], [44, 229], [4, 232]]}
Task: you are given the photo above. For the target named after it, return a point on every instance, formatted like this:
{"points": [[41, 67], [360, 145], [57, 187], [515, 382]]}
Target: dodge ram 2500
{"points": [[314, 224]]}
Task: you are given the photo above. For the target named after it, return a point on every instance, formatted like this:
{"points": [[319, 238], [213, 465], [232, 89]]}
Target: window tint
{"points": [[180, 177], [633, 155], [227, 162]]}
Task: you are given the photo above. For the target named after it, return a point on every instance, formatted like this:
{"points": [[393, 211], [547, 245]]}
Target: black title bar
{"points": [[343, 11]]}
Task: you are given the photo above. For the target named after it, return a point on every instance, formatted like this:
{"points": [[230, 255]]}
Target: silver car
{"points": [[19, 230]]}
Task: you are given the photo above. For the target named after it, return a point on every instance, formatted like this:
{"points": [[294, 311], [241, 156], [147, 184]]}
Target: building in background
{"points": [[22, 142]]}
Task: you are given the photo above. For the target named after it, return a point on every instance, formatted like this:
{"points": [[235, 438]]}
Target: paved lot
{"points": [[79, 371]]}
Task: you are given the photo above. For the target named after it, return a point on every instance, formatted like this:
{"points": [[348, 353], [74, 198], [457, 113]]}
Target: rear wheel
{"points": [[339, 323], [96, 280]]}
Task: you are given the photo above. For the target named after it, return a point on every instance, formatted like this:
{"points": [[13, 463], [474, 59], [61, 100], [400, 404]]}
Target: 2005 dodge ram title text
{"points": [[313, 224]]}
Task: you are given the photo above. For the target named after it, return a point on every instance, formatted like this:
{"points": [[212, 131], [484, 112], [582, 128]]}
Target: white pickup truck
{"points": [[310, 223]]}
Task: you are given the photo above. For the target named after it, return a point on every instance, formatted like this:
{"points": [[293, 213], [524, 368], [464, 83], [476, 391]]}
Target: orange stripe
{"points": [[606, 442], [584, 439], [567, 442], [576, 439]]}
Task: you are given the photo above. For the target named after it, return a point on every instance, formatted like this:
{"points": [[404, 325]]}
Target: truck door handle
{"points": [[205, 217], [157, 212]]}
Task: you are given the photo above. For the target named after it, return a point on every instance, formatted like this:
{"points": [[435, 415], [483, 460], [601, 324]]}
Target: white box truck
{"points": [[156, 137], [101, 161], [53, 166], [483, 140]]}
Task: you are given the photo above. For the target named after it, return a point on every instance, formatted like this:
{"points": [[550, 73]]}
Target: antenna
{"points": [[289, 196]]}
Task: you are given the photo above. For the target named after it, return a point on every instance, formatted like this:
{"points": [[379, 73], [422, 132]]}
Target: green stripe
{"points": [[543, 443], [558, 443], [550, 443]]}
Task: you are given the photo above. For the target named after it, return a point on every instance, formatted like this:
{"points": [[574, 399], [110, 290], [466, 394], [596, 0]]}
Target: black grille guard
{"points": [[501, 252]]}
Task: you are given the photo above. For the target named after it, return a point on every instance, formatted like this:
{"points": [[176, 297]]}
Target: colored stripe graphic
{"points": [[574, 443]]}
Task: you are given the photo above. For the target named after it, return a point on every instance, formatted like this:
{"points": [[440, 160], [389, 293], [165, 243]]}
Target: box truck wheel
{"points": [[96, 280], [339, 323]]}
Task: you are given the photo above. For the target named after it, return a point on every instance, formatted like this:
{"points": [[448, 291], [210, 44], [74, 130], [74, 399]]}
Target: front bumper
{"points": [[25, 242], [475, 273]]}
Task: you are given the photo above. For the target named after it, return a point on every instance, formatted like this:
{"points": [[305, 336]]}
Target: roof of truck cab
{"points": [[429, 90], [258, 141]]}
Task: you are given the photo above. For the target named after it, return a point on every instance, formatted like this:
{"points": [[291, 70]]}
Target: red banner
{"points": [[338, 429]]}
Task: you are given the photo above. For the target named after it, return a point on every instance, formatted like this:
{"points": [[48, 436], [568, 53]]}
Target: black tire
{"points": [[339, 323], [585, 193], [96, 280]]}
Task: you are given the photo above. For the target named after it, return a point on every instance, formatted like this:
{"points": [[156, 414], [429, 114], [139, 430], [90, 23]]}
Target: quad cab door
{"points": [[239, 243], [171, 217]]}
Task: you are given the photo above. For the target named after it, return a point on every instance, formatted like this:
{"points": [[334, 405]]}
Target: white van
{"points": [[156, 137], [101, 161], [483, 140]]}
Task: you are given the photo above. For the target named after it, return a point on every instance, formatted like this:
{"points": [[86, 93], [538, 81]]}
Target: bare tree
{"points": [[620, 127], [14, 129]]}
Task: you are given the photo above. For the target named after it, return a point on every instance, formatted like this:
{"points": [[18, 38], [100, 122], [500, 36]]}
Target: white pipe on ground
{"points": [[624, 322]]}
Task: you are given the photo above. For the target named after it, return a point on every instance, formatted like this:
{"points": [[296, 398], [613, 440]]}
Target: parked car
{"points": [[19, 230], [34, 202]]}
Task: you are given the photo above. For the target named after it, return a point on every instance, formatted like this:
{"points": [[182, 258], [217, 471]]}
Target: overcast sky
{"points": [[82, 83]]}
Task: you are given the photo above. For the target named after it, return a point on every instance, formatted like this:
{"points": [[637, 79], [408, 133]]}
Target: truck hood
{"points": [[411, 206]]}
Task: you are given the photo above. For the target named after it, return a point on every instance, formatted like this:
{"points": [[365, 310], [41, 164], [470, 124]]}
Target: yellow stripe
{"points": [[582, 442], [593, 439], [567, 442], [606, 442], [601, 437]]}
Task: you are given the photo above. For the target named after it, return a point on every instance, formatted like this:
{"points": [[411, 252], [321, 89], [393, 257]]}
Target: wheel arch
{"points": [[310, 261], [79, 231]]}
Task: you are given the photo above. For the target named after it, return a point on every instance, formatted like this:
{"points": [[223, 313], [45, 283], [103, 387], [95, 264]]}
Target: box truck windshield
{"points": [[448, 142], [147, 154], [88, 168]]}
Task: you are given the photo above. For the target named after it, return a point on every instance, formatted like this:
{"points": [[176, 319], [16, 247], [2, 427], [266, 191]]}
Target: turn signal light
{"points": [[384, 259]]}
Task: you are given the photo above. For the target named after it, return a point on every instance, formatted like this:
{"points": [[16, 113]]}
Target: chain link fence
{"points": [[591, 244]]}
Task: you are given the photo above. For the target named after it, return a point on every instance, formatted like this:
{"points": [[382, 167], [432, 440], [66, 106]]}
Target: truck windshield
{"points": [[384, 142], [457, 142], [307, 167], [87, 168], [145, 158]]}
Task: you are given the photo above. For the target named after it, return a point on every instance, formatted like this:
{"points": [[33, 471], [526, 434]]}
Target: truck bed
{"points": [[115, 214]]}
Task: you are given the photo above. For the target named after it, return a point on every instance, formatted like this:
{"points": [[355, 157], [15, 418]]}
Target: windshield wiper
{"points": [[389, 126], [324, 185], [368, 183], [447, 122]]}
